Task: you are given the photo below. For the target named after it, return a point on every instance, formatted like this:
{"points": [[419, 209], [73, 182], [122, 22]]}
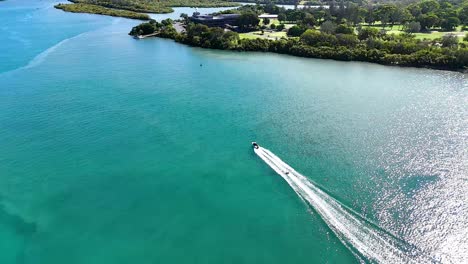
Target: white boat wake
{"points": [[41, 57], [364, 239]]}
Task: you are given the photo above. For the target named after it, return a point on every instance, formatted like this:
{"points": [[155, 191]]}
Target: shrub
{"points": [[316, 38], [296, 31], [368, 32], [449, 41], [328, 27], [413, 27], [348, 40], [344, 29]]}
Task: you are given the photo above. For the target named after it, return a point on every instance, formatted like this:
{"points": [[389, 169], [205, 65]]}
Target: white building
{"points": [[269, 16]]}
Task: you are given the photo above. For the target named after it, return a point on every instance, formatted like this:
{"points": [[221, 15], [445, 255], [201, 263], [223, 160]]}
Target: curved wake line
{"points": [[354, 232], [40, 58]]}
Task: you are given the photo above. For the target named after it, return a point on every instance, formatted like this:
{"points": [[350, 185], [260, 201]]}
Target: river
{"points": [[116, 150]]}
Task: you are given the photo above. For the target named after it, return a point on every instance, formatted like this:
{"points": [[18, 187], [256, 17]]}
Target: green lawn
{"points": [[248, 36], [272, 21], [266, 35], [432, 35], [395, 29], [398, 29], [437, 34]]}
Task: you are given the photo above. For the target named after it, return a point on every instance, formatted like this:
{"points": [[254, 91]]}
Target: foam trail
{"points": [[43, 55], [354, 231], [38, 59]]}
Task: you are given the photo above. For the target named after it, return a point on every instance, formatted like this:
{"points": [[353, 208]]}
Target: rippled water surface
{"points": [[118, 150]]}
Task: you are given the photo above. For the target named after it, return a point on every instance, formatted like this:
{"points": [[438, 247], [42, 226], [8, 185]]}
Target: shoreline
{"points": [[99, 10], [463, 71], [82, 6], [430, 58], [439, 68]]}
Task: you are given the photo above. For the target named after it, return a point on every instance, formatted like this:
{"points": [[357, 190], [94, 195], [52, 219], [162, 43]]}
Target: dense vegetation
{"points": [[164, 28], [94, 9], [339, 33], [278, 2], [131, 5], [445, 15], [368, 46], [154, 6]]}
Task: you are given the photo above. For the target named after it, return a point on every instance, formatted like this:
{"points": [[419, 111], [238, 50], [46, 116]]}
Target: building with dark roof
{"points": [[215, 21]]}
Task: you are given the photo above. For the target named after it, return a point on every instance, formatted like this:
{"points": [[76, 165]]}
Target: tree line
{"points": [[368, 45], [146, 6], [328, 36], [100, 10], [443, 14]]}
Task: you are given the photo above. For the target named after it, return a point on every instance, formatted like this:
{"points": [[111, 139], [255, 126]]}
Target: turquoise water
{"points": [[114, 150]]}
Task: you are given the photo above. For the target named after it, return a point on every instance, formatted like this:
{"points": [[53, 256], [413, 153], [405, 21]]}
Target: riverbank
{"points": [[99, 10], [135, 9], [433, 57]]}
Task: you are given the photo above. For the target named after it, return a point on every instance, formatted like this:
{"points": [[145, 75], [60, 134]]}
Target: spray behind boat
{"points": [[365, 239]]}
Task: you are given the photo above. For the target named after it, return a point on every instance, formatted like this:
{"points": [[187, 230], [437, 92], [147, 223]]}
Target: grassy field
{"points": [[437, 34], [398, 29], [395, 29], [265, 35], [272, 21], [431, 35]]}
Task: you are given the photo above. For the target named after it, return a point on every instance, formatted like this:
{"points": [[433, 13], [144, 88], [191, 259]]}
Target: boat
{"points": [[255, 145]]}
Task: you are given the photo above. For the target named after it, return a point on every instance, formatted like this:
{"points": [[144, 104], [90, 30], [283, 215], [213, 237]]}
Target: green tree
{"points": [[328, 27], [248, 20], [348, 40], [309, 20], [230, 40], [319, 14], [368, 32], [316, 38], [353, 13], [428, 20], [311, 37], [271, 8], [413, 27], [400, 16], [143, 29], [450, 23], [385, 13], [184, 16], [166, 22], [370, 16], [344, 29], [281, 17], [266, 21], [428, 6], [449, 41], [414, 9], [296, 31], [463, 14]]}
